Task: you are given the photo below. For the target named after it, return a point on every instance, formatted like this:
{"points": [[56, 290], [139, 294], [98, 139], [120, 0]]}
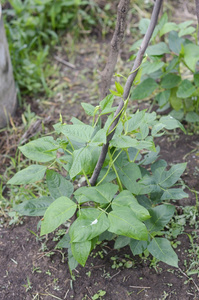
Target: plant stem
{"points": [[127, 88]]}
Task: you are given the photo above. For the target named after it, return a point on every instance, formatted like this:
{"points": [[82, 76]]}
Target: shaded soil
{"points": [[31, 268]]}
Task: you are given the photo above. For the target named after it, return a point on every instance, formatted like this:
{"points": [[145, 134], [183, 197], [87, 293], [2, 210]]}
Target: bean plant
{"points": [[171, 73], [130, 202]]}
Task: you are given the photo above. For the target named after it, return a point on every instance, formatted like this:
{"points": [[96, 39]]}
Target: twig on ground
{"points": [[127, 88], [64, 62], [107, 73]]}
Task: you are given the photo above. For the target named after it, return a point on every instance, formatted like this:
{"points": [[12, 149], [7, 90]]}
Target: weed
{"points": [[28, 286]]}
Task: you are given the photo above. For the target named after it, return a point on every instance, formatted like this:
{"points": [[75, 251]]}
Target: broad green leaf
{"points": [[177, 114], [99, 138], [185, 24], [123, 142], [91, 223], [158, 49], [192, 117], [174, 194], [160, 216], [79, 133], [58, 186], [125, 223], [169, 178], [156, 129], [186, 88], [143, 25], [151, 67], [64, 242], [144, 89], [81, 251], [88, 108], [129, 175], [191, 55], [30, 174], [175, 42], [168, 27], [34, 207], [171, 123], [186, 31], [57, 213], [135, 121], [175, 102], [121, 241], [161, 249], [137, 247], [72, 262], [107, 102], [125, 198], [41, 150], [170, 80], [102, 193], [136, 45], [81, 161]]}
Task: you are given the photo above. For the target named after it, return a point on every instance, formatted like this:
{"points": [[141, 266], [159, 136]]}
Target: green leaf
{"points": [[107, 102], [30, 174], [185, 24], [150, 67], [169, 26], [161, 249], [186, 31], [143, 25], [171, 123], [119, 88], [115, 93], [160, 216], [88, 108], [137, 247], [58, 186], [125, 198], [192, 117], [72, 262], [175, 42], [91, 223], [121, 241], [185, 89], [191, 55], [81, 251], [158, 49], [57, 213], [34, 207], [170, 80], [125, 223], [81, 161], [196, 79], [64, 242], [41, 150], [144, 89], [99, 138], [174, 194], [175, 102], [129, 175], [79, 133], [102, 193], [169, 178]]}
